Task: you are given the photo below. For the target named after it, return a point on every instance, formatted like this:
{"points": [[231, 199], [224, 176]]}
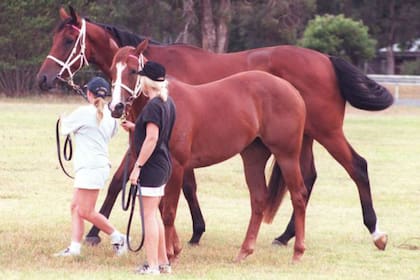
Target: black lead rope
{"points": [[67, 149], [134, 189]]}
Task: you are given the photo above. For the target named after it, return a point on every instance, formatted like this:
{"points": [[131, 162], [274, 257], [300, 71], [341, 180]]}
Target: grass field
{"points": [[35, 197]]}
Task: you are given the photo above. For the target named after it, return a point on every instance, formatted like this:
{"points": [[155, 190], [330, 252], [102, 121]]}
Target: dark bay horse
{"points": [[252, 113], [324, 82]]}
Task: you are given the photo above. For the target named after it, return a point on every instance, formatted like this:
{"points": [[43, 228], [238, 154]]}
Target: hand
{"points": [[134, 176], [128, 126]]}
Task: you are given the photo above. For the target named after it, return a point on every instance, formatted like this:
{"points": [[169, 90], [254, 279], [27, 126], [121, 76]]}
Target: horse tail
{"points": [[358, 89], [276, 191]]}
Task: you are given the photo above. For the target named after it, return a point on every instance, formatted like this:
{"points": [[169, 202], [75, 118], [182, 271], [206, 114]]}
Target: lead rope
{"points": [[67, 149], [126, 203]]}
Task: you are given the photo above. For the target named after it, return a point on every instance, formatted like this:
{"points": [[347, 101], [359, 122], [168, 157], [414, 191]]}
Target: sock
{"points": [[115, 237], [75, 247]]}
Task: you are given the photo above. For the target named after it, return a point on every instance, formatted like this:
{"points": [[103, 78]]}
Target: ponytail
{"points": [[99, 103]]}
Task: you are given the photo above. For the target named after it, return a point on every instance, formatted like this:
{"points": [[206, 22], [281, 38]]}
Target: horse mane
{"points": [[123, 37]]}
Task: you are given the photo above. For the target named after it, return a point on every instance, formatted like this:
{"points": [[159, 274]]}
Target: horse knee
{"points": [[168, 217], [115, 186], [361, 168], [258, 205], [299, 199], [189, 191]]}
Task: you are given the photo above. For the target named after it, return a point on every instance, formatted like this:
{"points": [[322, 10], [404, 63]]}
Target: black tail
{"points": [[276, 192], [358, 89]]}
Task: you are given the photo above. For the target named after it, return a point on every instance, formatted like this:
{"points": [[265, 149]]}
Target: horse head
{"points": [[68, 51], [126, 82]]}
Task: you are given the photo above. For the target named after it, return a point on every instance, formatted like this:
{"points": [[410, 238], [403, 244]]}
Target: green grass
{"points": [[35, 197]]}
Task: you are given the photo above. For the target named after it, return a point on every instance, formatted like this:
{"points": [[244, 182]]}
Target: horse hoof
{"points": [[195, 239], [193, 244], [92, 240], [381, 242], [297, 258], [242, 255], [279, 243]]}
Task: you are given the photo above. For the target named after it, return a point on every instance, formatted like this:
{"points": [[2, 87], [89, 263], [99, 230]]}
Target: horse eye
{"points": [[132, 71], [68, 41]]}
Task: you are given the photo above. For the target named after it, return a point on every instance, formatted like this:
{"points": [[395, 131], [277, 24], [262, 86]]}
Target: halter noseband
{"points": [[81, 56]]}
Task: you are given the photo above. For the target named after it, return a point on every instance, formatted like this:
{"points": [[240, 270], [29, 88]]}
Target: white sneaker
{"points": [[121, 247], [165, 268], [146, 269], [67, 253]]}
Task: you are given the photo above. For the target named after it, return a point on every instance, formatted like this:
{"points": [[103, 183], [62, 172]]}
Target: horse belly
{"points": [[217, 146]]}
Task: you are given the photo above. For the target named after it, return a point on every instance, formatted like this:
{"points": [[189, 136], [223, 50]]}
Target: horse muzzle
{"points": [[117, 111]]}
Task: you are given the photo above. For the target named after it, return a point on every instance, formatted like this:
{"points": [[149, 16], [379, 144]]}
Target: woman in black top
{"points": [[153, 166]]}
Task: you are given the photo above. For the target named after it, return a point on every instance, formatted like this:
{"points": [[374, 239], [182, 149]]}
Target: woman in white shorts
{"points": [[93, 127], [153, 165]]}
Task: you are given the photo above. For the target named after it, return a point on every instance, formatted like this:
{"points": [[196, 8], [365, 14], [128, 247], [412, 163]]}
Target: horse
{"points": [[253, 113], [325, 83]]}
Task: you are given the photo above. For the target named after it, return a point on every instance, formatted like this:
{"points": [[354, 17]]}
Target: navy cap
{"points": [[98, 86], [153, 71]]}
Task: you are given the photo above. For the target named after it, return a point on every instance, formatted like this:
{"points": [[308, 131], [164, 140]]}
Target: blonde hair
{"points": [[161, 88], [99, 103]]}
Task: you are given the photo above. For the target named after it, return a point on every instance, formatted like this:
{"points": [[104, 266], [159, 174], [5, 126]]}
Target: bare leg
{"points": [[152, 230], [86, 200], [113, 190]]}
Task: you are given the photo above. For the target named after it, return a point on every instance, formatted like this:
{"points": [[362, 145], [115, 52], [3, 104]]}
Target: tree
{"points": [[261, 23], [390, 21], [339, 36]]}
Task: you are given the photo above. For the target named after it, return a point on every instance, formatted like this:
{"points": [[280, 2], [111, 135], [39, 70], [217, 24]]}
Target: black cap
{"points": [[153, 71], [98, 86]]}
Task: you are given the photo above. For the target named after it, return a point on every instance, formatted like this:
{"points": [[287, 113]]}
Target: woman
{"points": [[153, 165], [93, 127]]}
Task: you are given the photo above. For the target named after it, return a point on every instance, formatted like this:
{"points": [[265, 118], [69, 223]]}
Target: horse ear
{"points": [[75, 18], [63, 14], [142, 46]]}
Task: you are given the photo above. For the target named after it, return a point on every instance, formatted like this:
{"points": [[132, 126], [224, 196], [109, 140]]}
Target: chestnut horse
{"points": [[253, 114], [324, 82]]}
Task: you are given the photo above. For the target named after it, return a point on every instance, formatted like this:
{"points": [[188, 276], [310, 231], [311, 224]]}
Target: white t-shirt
{"points": [[91, 139]]}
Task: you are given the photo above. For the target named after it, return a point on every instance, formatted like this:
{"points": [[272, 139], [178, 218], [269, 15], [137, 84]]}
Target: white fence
{"points": [[396, 81]]}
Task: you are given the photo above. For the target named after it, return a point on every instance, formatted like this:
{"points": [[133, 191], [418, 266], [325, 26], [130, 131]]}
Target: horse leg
{"points": [[307, 165], [168, 208], [356, 167], [114, 189], [254, 158], [189, 189]]}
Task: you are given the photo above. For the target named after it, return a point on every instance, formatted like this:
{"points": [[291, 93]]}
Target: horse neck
{"points": [[101, 47], [194, 65]]}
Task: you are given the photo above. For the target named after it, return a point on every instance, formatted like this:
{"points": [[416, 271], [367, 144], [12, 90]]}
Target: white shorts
{"points": [[152, 191], [92, 179]]}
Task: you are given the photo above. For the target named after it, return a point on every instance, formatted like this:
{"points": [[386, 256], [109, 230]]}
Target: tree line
{"points": [[353, 29]]}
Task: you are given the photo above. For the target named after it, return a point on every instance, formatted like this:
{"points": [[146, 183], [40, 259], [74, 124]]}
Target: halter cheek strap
{"points": [[73, 57]]}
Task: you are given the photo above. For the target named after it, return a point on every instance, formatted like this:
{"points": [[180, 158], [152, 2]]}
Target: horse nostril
{"points": [[42, 82], [119, 107]]}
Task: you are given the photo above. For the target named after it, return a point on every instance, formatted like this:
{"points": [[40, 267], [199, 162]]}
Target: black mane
{"points": [[124, 37]]}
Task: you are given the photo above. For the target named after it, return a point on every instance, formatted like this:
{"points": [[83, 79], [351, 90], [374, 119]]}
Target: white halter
{"points": [[137, 88], [73, 57]]}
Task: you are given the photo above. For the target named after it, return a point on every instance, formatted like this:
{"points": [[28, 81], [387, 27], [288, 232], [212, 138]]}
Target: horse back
{"points": [[235, 110]]}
